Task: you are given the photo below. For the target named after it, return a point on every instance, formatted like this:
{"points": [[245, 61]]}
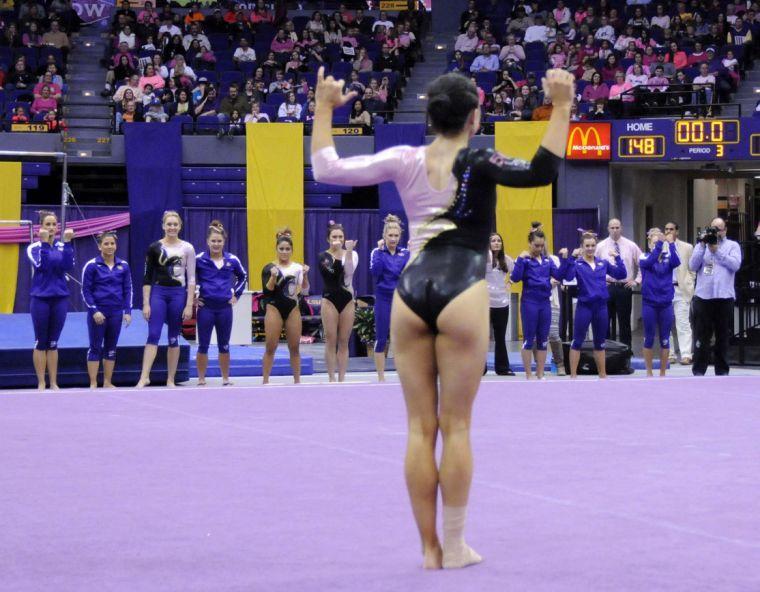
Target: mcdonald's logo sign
{"points": [[589, 141]]}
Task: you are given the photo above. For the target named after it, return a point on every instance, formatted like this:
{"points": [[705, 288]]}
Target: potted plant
{"points": [[364, 327]]}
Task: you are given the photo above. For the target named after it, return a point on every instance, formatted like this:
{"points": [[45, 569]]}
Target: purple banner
{"points": [[93, 11]]}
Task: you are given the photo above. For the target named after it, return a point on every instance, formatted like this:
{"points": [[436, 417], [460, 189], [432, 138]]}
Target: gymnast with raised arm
{"points": [[439, 321]]}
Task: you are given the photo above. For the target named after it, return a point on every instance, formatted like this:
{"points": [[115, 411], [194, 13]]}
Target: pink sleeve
{"points": [[359, 171]]}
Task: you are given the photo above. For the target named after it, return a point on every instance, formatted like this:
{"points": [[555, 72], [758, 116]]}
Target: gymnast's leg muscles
{"points": [[415, 363], [460, 348]]}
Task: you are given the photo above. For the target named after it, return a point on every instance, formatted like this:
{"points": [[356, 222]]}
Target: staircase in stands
{"points": [[412, 107], [87, 114], [749, 91]]}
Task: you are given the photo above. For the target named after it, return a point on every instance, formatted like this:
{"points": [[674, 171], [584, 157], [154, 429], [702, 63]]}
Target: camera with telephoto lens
{"points": [[709, 236]]}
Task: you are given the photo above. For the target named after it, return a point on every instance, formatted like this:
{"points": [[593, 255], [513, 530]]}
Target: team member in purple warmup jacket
{"points": [[107, 292], [52, 260], [657, 293], [168, 294], [221, 279], [387, 262], [535, 271], [591, 273]]}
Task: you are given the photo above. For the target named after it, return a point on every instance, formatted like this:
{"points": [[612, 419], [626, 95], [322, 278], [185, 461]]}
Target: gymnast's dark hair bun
{"points": [[451, 99]]}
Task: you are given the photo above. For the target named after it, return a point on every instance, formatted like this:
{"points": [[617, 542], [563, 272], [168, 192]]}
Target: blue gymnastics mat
{"points": [[17, 342]]}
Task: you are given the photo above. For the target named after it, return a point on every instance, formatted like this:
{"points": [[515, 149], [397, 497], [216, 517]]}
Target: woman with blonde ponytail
{"points": [[387, 262]]}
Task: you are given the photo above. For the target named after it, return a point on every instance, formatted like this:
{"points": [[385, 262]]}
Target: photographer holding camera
{"points": [[715, 260]]}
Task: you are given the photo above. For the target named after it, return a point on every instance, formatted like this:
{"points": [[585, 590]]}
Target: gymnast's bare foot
{"points": [[94, 386], [228, 382], [143, 382], [170, 384], [41, 386], [201, 382], [432, 558], [55, 387], [459, 556], [108, 385]]}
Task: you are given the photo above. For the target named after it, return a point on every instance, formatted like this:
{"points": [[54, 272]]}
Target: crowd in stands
{"points": [[34, 46], [630, 58], [217, 69]]}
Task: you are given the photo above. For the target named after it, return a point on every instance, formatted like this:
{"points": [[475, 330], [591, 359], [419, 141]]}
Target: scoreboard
{"points": [[685, 139], [651, 140]]}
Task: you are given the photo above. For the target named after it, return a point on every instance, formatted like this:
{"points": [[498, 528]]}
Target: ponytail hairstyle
{"points": [[104, 235], [451, 99], [44, 214], [499, 259], [333, 225], [390, 221], [215, 226]]}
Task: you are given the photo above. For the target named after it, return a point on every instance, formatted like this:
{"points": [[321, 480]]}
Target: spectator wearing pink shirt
{"points": [[658, 82], [676, 56], [558, 58], [561, 13], [511, 51], [44, 102], [281, 43], [148, 15], [638, 61], [620, 103], [650, 57], [150, 77], [47, 80], [596, 90]]}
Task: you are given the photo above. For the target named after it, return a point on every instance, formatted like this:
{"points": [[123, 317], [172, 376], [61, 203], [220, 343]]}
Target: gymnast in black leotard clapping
{"points": [[336, 266], [283, 281]]}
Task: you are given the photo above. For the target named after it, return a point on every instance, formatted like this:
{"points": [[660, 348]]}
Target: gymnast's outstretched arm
{"points": [[327, 166], [543, 169]]}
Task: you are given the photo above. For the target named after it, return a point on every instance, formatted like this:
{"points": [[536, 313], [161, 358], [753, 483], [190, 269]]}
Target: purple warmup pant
{"points": [[657, 317], [104, 337], [48, 318], [382, 321], [536, 320], [214, 317], [166, 306], [592, 314]]}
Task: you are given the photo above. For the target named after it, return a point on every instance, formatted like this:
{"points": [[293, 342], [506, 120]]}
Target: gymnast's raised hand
{"points": [[330, 91], [560, 86]]}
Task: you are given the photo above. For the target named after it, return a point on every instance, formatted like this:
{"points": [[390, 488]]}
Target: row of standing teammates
{"points": [[172, 271]]}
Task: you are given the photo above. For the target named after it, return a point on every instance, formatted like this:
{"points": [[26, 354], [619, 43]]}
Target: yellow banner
{"points": [[274, 157], [517, 208], [10, 209]]}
